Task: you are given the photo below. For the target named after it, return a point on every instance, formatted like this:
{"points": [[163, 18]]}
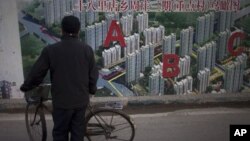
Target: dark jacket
{"points": [[73, 72]]}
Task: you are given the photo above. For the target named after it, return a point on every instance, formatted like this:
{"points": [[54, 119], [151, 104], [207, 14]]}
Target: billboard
{"points": [[145, 47]]}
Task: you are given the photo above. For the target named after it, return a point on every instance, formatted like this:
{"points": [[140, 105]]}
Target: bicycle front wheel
{"points": [[35, 123], [108, 124]]}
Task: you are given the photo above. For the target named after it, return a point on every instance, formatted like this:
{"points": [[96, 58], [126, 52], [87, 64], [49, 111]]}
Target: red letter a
{"points": [[114, 27]]}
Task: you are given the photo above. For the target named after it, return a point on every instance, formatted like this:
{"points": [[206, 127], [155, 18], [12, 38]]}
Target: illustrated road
{"points": [[36, 28], [210, 124]]}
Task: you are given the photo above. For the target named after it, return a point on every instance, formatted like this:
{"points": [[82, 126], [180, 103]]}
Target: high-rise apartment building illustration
{"points": [[142, 20], [98, 35], [207, 26], [200, 30], [185, 86], [225, 20], [91, 17], [127, 24], [169, 44], [133, 66], [49, 12], [186, 41], [156, 81], [222, 40], [206, 56], [184, 65], [154, 35], [104, 30], [130, 68], [132, 43], [57, 11], [83, 20], [212, 22], [138, 64], [144, 57], [203, 80], [204, 27], [233, 78], [90, 36], [111, 55]]}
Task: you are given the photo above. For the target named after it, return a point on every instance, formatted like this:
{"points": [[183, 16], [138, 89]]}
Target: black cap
{"points": [[70, 25]]}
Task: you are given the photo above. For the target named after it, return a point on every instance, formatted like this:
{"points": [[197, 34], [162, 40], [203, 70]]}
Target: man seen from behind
{"points": [[73, 75]]}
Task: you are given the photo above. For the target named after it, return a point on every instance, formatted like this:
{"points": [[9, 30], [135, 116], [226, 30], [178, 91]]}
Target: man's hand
{"points": [[23, 88]]}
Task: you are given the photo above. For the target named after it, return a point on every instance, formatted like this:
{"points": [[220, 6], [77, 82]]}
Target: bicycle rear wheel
{"points": [[35, 123], [108, 124]]}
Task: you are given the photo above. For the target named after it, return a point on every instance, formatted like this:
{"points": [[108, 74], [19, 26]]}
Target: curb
{"points": [[11, 105], [190, 99]]}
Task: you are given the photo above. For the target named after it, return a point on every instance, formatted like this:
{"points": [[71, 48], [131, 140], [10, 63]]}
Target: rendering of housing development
{"points": [[200, 40]]}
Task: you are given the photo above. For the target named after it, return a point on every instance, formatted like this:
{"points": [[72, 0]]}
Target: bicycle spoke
{"points": [[121, 129], [102, 120], [111, 119], [38, 131], [121, 139], [37, 128], [120, 124]]}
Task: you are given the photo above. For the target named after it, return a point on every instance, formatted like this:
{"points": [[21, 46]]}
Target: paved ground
{"points": [[203, 124]]}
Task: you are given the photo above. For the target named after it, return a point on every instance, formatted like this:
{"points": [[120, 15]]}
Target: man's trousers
{"points": [[69, 123]]}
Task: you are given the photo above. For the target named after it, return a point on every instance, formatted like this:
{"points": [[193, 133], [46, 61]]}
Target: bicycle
{"points": [[101, 123]]}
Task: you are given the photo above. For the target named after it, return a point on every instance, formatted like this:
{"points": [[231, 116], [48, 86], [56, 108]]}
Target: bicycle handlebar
{"points": [[40, 93]]}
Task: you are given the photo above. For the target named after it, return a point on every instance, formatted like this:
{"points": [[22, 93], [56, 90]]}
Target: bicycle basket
{"points": [[39, 93]]}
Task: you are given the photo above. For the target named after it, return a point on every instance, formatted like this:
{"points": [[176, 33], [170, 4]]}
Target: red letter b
{"points": [[175, 70]]}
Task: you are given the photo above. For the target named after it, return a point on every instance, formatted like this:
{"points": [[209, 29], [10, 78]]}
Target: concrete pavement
{"points": [[210, 124], [191, 125]]}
